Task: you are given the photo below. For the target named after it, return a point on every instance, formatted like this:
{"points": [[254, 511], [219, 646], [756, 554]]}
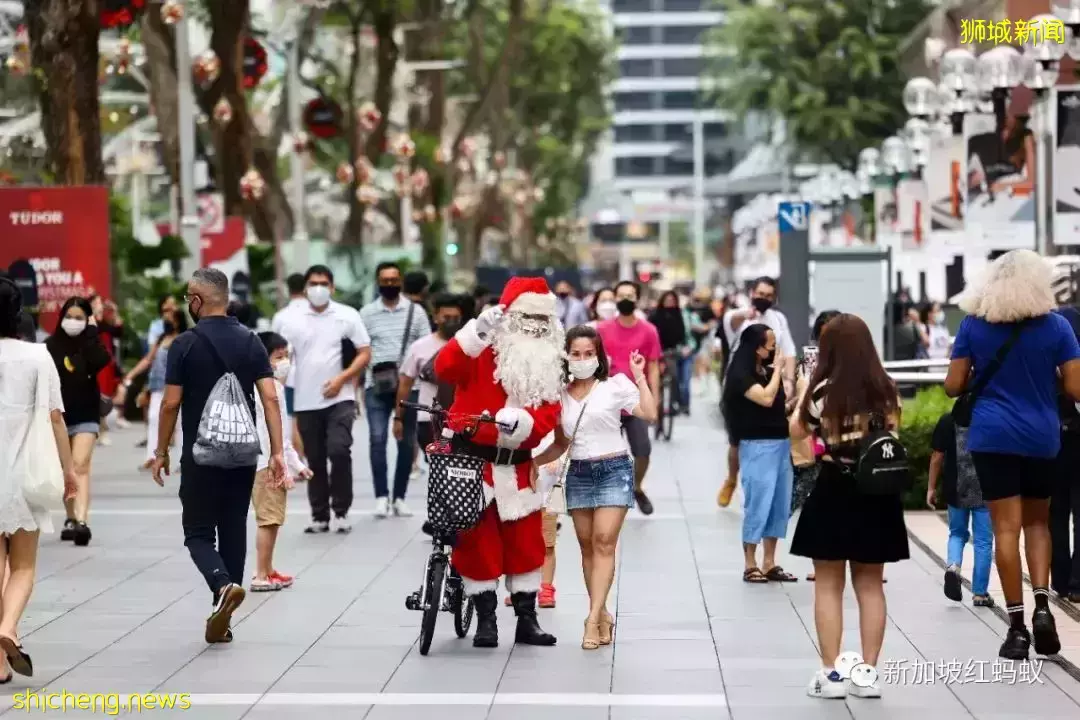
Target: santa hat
{"points": [[529, 295]]}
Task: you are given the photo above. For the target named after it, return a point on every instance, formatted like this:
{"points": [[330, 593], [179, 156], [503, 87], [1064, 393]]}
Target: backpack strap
{"points": [[213, 350]]}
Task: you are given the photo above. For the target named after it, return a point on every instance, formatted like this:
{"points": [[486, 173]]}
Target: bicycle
{"points": [[667, 403], [442, 588]]}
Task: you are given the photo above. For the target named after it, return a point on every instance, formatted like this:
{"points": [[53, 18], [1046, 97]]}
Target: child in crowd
{"points": [[952, 470], [268, 496]]}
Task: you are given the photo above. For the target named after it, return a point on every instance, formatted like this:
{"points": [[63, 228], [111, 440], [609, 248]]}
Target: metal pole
{"points": [[701, 277], [665, 237], [1047, 168], [1040, 107], [189, 213], [301, 240]]}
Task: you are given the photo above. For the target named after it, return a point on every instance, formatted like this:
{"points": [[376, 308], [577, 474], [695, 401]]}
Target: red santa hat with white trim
{"points": [[529, 295]]}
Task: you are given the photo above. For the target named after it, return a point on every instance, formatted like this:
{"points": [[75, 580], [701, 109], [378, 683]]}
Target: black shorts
{"points": [[1005, 476], [637, 436]]}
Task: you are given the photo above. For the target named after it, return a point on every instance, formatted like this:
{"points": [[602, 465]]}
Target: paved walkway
{"points": [[693, 642]]}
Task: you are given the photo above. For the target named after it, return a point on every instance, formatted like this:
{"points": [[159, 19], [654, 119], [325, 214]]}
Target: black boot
{"points": [[529, 631], [487, 626]]}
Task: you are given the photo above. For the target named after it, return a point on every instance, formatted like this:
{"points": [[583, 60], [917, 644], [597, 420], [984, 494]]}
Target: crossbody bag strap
{"points": [[566, 461], [996, 363], [405, 337]]}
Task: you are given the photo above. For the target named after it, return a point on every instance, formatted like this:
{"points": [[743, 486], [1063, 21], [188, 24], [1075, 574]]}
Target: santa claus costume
{"points": [[508, 362]]}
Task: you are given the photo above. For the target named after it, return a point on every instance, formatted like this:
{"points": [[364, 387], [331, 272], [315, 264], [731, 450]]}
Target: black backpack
{"points": [[882, 468]]}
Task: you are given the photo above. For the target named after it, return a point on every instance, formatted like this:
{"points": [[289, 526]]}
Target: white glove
{"points": [[508, 420], [489, 320]]}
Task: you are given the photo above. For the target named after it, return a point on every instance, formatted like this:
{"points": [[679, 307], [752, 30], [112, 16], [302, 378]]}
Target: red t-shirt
{"points": [[620, 341]]}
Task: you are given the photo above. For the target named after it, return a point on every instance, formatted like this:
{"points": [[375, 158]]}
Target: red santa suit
{"points": [[508, 540]]}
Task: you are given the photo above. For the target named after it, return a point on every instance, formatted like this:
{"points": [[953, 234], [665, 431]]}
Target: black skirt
{"points": [[838, 523]]}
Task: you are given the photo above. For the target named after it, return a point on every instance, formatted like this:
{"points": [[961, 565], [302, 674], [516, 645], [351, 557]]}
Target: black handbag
{"points": [[965, 404], [384, 376]]}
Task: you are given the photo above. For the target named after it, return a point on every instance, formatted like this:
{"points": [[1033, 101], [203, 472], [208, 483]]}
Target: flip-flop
{"points": [[754, 576], [19, 661], [778, 574]]}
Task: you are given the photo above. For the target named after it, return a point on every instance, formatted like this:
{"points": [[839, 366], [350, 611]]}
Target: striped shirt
{"points": [[842, 445], [386, 326]]}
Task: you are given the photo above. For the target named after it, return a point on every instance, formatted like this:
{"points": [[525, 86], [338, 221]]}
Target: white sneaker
{"points": [[827, 685], [122, 423], [415, 474], [870, 691], [342, 525], [382, 507], [401, 509], [104, 441]]}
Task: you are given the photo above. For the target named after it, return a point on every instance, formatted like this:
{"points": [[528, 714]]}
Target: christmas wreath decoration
{"points": [[322, 118], [119, 13], [255, 65]]}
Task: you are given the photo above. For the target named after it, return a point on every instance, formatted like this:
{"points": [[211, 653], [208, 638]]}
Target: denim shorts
{"points": [[600, 483], [90, 428]]}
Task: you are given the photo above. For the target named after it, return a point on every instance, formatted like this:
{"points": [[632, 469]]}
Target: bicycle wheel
{"points": [[434, 597], [463, 613], [666, 419]]}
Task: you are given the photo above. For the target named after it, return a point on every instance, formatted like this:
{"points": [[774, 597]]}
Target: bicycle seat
{"points": [[446, 538]]}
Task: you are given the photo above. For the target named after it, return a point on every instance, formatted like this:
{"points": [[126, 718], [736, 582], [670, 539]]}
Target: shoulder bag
{"points": [[42, 481], [965, 404], [556, 502], [384, 376]]}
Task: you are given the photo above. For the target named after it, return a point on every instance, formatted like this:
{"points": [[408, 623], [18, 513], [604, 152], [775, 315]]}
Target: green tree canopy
{"points": [[830, 68]]}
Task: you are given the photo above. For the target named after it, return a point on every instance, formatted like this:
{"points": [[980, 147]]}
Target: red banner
{"points": [[64, 233]]}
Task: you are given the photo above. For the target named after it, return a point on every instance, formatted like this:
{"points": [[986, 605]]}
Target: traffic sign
{"points": [[793, 216]]}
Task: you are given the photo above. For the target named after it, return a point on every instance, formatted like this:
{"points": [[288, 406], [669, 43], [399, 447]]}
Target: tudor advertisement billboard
{"points": [[63, 232]]}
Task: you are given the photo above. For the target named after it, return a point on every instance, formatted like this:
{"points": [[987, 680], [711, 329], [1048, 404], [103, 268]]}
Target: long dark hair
{"points": [[857, 381], [10, 308], [603, 369], [669, 322], [744, 362]]}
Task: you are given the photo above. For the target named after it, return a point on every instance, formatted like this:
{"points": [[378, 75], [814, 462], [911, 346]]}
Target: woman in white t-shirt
{"points": [[600, 473], [29, 384], [938, 338]]}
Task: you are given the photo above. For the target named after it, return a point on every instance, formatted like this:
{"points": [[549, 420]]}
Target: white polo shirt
{"points": [[773, 319], [316, 338]]}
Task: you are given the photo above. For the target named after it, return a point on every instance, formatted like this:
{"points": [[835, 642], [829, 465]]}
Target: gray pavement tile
{"points": [[984, 698], [666, 654], [664, 713], [413, 712], [546, 712], [347, 678], [874, 710], [290, 712], [821, 710], [659, 681]]}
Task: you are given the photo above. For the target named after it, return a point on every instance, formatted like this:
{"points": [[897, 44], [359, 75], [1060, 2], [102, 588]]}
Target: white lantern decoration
{"points": [[223, 112], [172, 11], [206, 68], [367, 195], [345, 173], [368, 116], [895, 155], [921, 97], [1001, 68]]}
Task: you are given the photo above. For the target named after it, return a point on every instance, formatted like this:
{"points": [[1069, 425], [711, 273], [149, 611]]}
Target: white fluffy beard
{"points": [[530, 369]]}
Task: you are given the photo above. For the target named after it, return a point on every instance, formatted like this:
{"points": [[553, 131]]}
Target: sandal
{"points": [[982, 601], [18, 660], [753, 575], [778, 574], [591, 639], [606, 624]]}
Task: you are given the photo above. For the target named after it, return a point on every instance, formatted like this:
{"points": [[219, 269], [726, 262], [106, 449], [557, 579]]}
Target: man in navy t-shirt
{"points": [[215, 500], [1065, 500]]}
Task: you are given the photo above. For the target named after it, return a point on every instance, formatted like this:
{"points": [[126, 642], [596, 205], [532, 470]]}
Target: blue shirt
{"points": [[192, 366], [1017, 412]]}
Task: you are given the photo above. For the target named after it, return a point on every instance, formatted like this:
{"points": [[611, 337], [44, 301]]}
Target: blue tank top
{"points": [[156, 381]]}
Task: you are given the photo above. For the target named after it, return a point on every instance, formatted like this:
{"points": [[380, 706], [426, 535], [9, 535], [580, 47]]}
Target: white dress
{"points": [[22, 366]]}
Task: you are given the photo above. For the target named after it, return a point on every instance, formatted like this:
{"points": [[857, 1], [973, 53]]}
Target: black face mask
{"points": [[191, 310], [626, 306], [769, 359], [448, 328], [761, 304], [563, 294], [390, 292], [169, 327]]}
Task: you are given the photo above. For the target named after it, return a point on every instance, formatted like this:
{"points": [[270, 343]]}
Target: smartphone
{"points": [[809, 360]]}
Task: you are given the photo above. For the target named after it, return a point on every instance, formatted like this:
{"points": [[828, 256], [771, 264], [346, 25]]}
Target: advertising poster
{"points": [[226, 250], [1066, 168], [63, 232], [944, 175], [1000, 208]]}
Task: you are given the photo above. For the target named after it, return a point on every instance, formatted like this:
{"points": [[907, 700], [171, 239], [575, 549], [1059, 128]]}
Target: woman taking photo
{"points": [[79, 356], [838, 526], [175, 323], [599, 474], [673, 324], [28, 385], [1009, 352], [754, 409]]}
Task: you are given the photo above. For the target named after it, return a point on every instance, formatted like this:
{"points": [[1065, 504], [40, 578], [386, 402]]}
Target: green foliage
{"points": [[830, 68], [917, 424]]}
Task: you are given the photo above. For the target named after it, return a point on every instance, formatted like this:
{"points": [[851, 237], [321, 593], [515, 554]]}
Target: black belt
{"points": [[494, 455]]}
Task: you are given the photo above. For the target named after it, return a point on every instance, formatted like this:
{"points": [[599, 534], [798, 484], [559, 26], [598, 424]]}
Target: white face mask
{"points": [[605, 309], [939, 318], [72, 326], [318, 295], [583, 369], [281, 370]]}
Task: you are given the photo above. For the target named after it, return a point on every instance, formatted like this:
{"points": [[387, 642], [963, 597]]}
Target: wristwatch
{"points": [[161, 454]]}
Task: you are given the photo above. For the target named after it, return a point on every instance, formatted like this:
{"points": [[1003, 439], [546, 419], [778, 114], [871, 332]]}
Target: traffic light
{"points": [[451, 249]]}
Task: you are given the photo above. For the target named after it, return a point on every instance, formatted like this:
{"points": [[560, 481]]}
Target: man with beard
{"points": [[508, 362]]}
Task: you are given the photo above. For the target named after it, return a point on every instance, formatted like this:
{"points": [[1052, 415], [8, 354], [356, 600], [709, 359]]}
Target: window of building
{"points": [[682, 34], [678, 167], [636, 36], [679, 133], [635, 166], [683, 5], [636, 68], [632, 5], [635, 133], [681, 67], [633, 101], [715, 131], [680, 100], [719, 165]]}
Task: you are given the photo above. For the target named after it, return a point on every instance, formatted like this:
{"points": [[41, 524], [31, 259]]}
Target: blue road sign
{"points": [[793, 216]]}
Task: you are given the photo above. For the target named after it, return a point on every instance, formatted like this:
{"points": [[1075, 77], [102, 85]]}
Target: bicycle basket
{"points": [[455, 491]]}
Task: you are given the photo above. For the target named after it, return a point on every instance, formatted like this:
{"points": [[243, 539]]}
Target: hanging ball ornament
{"points": [[420, 181], [404, 147], [345, 173], [252, 185], [467, 148], [499, 160], [207, 68], [365, 171], [418, 216], [16, 65], [123, 56], [172, 11], [430, 213], [223, 112], [367, 195], [368, 116]]}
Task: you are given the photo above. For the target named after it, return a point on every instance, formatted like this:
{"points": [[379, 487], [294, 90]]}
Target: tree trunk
{"points": [[233, 141], [64, 51], [160, 47], [352, 234]]}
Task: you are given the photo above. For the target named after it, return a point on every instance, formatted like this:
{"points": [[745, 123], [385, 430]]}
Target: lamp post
{"points": [[185, 120]]}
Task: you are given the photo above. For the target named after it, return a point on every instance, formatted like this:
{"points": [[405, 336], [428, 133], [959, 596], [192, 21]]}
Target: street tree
{"points": [[831, 69]]}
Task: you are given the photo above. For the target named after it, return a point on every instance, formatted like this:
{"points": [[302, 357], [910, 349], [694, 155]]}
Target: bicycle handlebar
{"points": [[445, 414]]}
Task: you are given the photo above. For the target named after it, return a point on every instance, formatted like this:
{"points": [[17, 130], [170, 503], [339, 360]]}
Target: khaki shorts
{"points": [[551, 525], [269, 502]]}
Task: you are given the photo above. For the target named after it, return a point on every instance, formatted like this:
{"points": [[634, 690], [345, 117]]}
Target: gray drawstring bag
{"points": [[227, 436]]}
